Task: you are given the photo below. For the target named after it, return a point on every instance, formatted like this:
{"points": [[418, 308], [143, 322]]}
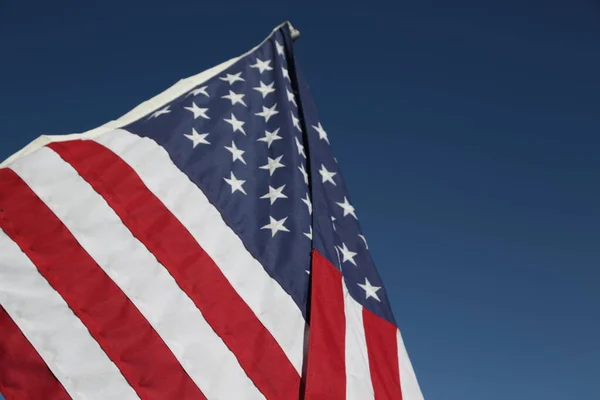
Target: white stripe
{"points": [[140, 276], [59, 337], [408, 379], [358, 375], [274, 308]]}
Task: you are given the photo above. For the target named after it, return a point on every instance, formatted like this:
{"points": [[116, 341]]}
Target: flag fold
{"points": [[202, 246]]}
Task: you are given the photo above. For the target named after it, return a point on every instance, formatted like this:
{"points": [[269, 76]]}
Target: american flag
{"points": [[202, 246]]}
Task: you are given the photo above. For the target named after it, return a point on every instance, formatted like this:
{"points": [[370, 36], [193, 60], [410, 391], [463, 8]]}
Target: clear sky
{"points": [[468, 134]]}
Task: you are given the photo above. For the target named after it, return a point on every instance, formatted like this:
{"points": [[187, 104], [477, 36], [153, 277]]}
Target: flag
{"points": [[203, 246]]}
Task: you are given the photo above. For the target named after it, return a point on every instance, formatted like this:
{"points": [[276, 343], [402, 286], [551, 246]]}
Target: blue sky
{"points": [[468, 135]]}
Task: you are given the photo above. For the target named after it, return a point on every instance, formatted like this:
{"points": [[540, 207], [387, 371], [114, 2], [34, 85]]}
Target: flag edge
{"points": [[166, 96]]}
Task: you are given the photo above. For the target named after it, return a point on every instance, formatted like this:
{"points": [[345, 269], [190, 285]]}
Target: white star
{"points": [[197, 111], [308, 203], [370, 290], [236, 153], [160, 112], [232, 78], [201, 90], [347, 255], [364, 240], [296, 122], [273, 164], [291, 97], [265, 89], [276, 226], [285, 73], [308, 235], [327, 175], [333, 224], [236, 184], [235, 124], [304, 173], [262, 65], [322, 133], [235, 98], [279, 48], [197, 138], [348, 209], [270, 137], [275, 194], [300, 148], [267, 113]]}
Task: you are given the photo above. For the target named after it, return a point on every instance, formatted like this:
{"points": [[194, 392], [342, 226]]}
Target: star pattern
{"points": [[197, 111], [291, 97], [321, 132], [327, 176], [270, 137], [348, 209], [370, 290], [272, 164], [304, 173], [275, 194], [309, 235], [262, 66], [347, 255], [236, 124], [198, 91], [300, 148], [265, 89], [236, 184], [268, 112], [279, 48], [296, 122], [364, 240], [232, 78], [197, 138], [237, 154], [276, 226], [306, 200], [264, 163], [235, 98], [160, 112]]}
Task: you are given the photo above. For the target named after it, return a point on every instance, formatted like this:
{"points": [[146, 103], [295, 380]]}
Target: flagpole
{"points": [[294, 32]]}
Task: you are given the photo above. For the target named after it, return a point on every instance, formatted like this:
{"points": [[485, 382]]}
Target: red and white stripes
{"points": [[178, 308], [19, 361], [155, 316], [353, 353]]}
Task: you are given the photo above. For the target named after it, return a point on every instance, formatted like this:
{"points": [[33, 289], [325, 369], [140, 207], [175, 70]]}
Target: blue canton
{"points": [[251, 140]]}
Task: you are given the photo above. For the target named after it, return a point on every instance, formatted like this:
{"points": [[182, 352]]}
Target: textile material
{"points": [[203, 246]]}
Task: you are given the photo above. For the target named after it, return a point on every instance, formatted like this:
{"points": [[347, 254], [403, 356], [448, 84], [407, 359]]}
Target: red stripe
{"points": [[151, 222], [114, 322], [23, 373], [326, 373], [382, 346]]}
